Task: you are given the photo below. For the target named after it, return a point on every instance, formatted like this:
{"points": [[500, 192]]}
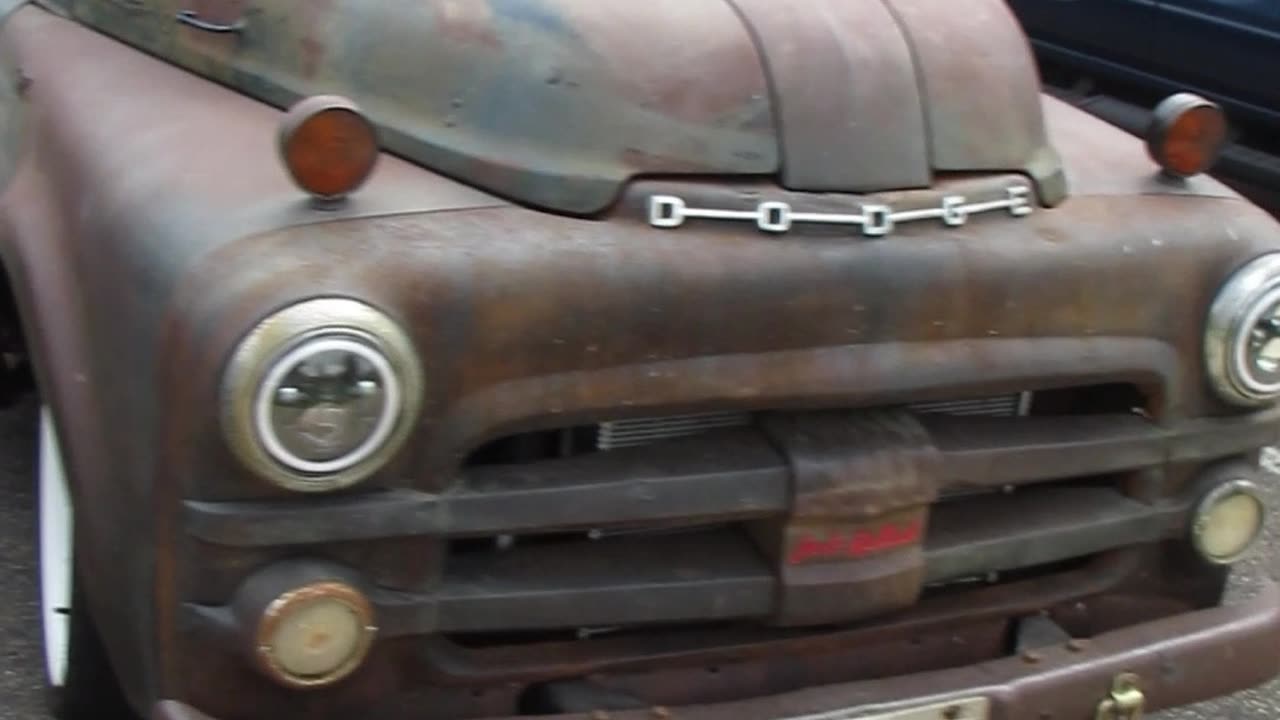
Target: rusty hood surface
{"points": [[558, 103]]}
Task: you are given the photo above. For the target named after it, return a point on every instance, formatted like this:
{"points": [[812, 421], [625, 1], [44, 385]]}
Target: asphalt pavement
{"points": [[21, 664]]}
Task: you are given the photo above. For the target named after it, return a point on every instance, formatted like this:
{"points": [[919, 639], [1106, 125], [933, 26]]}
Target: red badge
{"points": [[855, 544]]}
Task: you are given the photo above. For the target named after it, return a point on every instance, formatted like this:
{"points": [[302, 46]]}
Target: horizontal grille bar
{"points": [[706, 576], [724, 475], [719, 574]]}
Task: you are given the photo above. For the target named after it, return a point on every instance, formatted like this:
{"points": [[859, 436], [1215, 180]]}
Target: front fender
{"points": [[117, 174]]}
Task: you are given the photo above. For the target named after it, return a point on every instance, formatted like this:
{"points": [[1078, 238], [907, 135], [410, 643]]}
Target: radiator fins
{"points": [[999, 406], [617, 434], [642, 431]]}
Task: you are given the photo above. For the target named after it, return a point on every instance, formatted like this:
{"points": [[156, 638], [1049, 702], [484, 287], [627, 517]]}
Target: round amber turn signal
{"points": [[1187, 135], [328, 146]]}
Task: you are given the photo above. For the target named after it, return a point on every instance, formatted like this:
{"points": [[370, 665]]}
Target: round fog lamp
{"points": [[316, 635], [1242, 337], [1228, 522]]}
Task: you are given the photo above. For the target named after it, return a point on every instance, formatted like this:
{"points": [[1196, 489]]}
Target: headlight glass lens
{"points": [[327, 404], [1242, 337], [1258, 349]]}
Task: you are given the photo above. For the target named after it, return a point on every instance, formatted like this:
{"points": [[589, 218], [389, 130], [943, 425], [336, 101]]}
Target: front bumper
{"points": [[1180, 660]]}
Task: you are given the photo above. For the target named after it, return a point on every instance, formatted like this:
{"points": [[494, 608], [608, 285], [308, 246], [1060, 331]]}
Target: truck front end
{"points": [[706, 359]]}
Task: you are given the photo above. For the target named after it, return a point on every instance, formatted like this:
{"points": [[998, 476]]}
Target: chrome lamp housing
{"points": [[1242, 336], [321, 394]]}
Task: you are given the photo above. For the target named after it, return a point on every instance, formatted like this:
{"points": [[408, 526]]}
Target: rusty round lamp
{"points": [[1187, 135], [306, 624], [329, 147]]}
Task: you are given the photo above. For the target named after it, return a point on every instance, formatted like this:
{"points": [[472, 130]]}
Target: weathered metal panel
{"points": [[555, 103], [1098, 161], [844, 84], [14, 131], [979, 80], [110, 204], [981, 90], [558, 103]]}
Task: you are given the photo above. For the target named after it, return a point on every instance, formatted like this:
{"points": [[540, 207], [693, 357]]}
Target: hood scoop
{"points": [[851, 118], [874, 95], [558, 104]]}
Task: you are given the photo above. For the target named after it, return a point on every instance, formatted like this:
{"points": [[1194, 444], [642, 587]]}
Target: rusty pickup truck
{"points": [[611, 360]]}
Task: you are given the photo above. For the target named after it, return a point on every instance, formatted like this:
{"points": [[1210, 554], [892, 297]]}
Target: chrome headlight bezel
{"points": [[1238, 308], [276, 345]]}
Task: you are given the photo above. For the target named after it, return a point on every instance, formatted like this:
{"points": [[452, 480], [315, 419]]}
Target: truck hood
{"points": [[557, 104]]}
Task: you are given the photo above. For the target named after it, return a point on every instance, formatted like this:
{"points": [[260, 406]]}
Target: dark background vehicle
{"points": [[1115, 58]]}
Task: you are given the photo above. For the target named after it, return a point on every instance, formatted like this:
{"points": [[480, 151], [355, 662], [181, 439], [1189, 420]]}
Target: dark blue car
{"points": [[1114, 57]]}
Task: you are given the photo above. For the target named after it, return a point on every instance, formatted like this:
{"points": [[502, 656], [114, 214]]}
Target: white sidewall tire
{"points": [[79, 681], [57, 551]]}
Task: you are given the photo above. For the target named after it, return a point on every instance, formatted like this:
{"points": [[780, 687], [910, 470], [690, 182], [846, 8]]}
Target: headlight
{"points": [[1242, 339], [321, 394]]}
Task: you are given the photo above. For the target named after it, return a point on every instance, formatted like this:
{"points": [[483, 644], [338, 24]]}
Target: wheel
{"points": [[78, 678]]}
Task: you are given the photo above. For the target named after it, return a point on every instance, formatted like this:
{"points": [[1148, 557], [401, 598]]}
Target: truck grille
{"points": [[693, 532], [726, 522], [586, 516]]}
